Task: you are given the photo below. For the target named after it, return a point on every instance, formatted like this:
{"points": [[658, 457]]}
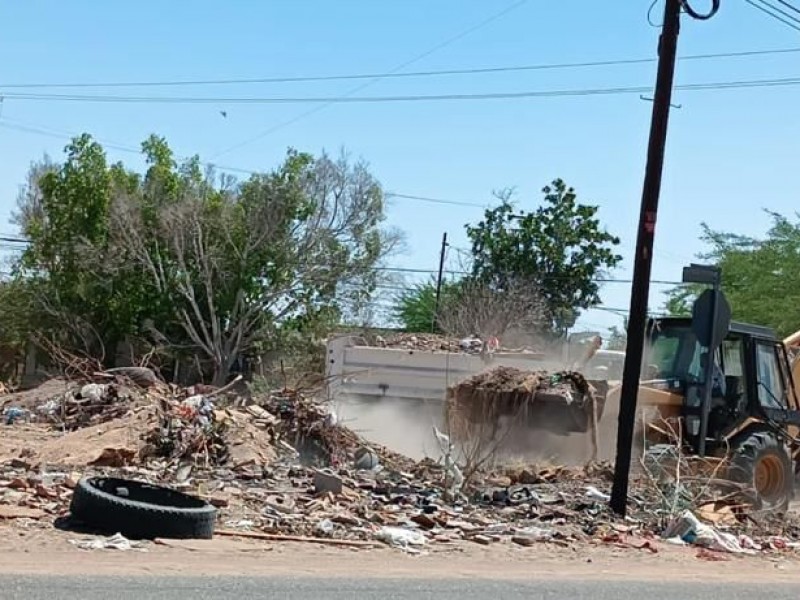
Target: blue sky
{"points": [[730, 153]]}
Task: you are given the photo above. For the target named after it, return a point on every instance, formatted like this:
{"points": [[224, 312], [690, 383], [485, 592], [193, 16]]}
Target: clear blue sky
{"points": [[730, 153]]}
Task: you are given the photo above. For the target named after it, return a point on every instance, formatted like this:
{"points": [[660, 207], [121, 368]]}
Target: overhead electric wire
{"points": [[790, 6], [412, 74], [548, 278], [559, 93], [451, 40], [786, 22], [780, 11], [435, 200]]}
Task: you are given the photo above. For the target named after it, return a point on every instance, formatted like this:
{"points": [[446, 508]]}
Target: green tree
{"points": [[415, 307], [201, 264], [263, 261], [560, 247], [760, 276]]}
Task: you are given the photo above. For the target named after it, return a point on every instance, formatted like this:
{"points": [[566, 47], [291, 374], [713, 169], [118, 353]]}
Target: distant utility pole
{"points": [[439, 282], [637, 322]]}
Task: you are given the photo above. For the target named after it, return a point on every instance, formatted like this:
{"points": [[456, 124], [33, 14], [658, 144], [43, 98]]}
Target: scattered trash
{"points": [[14, 413], [595, 494], [405, 539], [280, 469], [115, 542], [688, 528], [325, 527]]}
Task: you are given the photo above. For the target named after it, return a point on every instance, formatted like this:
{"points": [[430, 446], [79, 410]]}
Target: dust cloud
{"points": [[406, 426]]}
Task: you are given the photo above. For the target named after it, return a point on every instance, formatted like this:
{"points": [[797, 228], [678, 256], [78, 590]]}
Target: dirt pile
{"points": [[507, 392]]}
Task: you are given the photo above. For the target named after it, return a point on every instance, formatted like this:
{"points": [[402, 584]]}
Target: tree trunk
{"points": [[222, 370]]}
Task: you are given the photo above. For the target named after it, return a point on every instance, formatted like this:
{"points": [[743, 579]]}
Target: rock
{"points": [[20, 512], [483, 540], [218, 500], [44, 492], [183, 473], [18, 463], [261, 413], [346, 519], [18, 484], [327, 482], [524, 540], [72, 480], [424, 520], [526, 477]]}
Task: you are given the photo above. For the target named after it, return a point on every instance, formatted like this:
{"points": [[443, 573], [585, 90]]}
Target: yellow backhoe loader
{"points": [[751, 419]]}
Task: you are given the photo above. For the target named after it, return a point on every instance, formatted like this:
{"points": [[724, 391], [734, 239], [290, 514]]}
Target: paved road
{"points": [[167, 588]]}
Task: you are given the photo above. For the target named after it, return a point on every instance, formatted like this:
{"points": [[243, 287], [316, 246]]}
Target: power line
{"points": [[709, 86], [548, 278], [780, 11], [434, 200], [59, 134], [491, 18], [790, 6], [394, 75], [786, 22]]}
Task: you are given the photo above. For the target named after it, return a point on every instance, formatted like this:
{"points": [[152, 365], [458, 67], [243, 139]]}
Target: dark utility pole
{"points": [[439, 282], [637, 322]]}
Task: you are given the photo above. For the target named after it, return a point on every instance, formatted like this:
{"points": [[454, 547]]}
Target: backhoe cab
{"points": [[753, 416]]}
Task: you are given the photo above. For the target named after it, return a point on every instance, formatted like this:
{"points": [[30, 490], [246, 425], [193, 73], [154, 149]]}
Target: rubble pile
{"points": [[429, 342], [190, 429], [280, 467], [86, 405], [312, 429]]}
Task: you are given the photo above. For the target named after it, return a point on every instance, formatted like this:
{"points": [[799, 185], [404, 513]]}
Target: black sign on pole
{"points": [[711, 318]]}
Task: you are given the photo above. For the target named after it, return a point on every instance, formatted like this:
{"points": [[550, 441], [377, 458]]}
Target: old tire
{"points": [[761, 463], [139, 510]]}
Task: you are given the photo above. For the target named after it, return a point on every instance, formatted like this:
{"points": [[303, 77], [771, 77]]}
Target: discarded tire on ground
{"points": [[139, 510]]}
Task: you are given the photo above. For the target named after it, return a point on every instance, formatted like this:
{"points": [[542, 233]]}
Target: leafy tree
{"points": [[248, 266], [760, 277], [208, 265], [560, 247], [415, 307]]}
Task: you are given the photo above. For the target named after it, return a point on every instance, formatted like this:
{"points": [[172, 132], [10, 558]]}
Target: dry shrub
{"points": [[678, 480]]}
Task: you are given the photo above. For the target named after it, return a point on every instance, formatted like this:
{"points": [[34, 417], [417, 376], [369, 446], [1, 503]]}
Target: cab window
{"points": [[771, 387]]}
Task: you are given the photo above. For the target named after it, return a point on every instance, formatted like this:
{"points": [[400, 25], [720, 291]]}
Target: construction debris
{"points": [[281, 468]]}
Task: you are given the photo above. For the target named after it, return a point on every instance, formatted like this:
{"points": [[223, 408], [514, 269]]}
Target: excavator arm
{"points": [[792, 344]]}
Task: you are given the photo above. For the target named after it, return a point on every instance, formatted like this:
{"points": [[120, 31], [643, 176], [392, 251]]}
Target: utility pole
{"points": [[637, 323], [439, 282]]}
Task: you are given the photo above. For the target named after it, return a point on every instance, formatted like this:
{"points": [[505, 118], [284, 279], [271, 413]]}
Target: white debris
{"points": [[94, 391], [688, 528], [595, 494], [115, 542], [404, 539]]}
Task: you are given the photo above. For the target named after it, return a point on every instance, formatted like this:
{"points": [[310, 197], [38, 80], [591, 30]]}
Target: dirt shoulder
{"points": [[48, 552]]}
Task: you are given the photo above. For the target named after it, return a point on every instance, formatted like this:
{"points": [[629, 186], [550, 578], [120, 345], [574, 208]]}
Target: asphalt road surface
{"points": [[168, 588]]}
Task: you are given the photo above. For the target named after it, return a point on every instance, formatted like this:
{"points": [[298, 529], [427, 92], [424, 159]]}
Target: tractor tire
{"points": [[761, 463], [139, 510]]}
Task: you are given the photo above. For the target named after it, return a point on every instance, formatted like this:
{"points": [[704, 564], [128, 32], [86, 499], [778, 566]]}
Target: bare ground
{"points": [[36, 549]]}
